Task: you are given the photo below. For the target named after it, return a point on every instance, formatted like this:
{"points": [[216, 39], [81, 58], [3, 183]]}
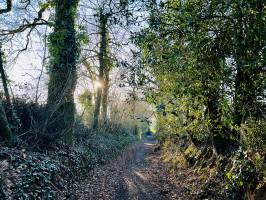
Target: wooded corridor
{"points": [[132, 99]]}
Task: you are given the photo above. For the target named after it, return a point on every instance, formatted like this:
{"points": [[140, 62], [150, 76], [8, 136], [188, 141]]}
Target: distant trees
{"points": [[107, 15]]}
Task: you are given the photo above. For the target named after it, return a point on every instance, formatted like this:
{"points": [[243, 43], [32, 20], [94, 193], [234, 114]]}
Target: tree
{"points": [[106, 15], [204, 54], [248, 49], [103, 73], [5, 131], [64, 53], [4, 79]]}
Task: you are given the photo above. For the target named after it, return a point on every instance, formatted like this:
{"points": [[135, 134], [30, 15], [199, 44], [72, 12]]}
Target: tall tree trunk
{"points": [[102, 67], [5, 131], [219, 134], [9, 111], [4, 79], [239, 57], [63, 76], [105, 95], [217, 138]]}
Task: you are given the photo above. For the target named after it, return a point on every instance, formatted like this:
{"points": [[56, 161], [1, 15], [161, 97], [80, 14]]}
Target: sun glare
{"points": [[98, 84]]}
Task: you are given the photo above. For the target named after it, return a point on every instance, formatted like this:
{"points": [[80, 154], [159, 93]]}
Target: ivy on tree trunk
{"points": [[64, 51]]}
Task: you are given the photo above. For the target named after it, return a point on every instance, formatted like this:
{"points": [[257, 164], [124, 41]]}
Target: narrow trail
{"points": [[138, 174]]}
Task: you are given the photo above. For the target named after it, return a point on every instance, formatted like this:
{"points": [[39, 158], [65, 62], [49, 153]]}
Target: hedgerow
{"points": [[54, 173]]}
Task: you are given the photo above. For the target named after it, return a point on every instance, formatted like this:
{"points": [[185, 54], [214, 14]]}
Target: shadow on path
{"points": [[130, 177], [137, 179]]}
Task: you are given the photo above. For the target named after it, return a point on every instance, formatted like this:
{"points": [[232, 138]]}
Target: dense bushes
{"points": [[254, 136], [25, 118], [237, 175]]}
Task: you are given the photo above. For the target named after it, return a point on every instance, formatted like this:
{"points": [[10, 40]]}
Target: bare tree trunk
{"points": [[9, 111], [105, 96], [63, 76], [4, 79], [102, 62], [5, 131]]}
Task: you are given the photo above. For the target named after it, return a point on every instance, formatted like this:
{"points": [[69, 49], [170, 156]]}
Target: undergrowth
{"points": [[53, 174], [235, 176]]}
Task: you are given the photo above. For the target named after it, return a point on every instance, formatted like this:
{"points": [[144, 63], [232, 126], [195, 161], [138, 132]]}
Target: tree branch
{"points": [[36, 22], [8, 7]]}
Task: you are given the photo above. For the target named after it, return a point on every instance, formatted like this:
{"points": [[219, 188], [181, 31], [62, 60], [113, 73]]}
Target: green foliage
{"points": [[27, 176], [55, 41], [85, 99], [47, 4], [35, 181], [254, 141], [104, 143], [242, 176], [208, 60], [187, 48], [254, 136], [82, 35]]}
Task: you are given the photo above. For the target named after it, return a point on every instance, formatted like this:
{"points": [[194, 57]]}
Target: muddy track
{"points": [[128, 177], [139, 174]]}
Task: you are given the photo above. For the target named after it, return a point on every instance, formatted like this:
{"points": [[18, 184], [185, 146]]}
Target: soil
{"points": [[137, 174]]}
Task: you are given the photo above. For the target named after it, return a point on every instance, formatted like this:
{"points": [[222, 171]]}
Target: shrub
{"points": [[242, 176], [254, 135], [25, 119]]}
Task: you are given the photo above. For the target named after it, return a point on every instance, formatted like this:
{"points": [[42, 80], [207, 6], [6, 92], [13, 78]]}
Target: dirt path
{"points": [[138, 174]]}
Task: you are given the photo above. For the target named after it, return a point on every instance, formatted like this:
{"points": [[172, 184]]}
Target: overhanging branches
{"points": [[8, 7], [27, 25]]}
